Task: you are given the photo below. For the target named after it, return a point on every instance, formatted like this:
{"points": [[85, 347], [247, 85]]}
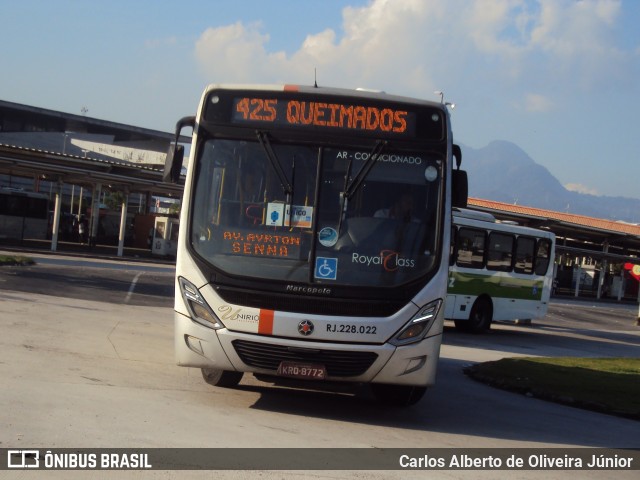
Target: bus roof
{"points": [[310, 89], [473, 214], [463, 216]]}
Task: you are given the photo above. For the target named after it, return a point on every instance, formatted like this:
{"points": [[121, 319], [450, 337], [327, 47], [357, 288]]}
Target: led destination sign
{"points": [[381, 120], [257, 244]]}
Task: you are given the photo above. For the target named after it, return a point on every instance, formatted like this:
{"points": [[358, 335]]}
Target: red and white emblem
{"points": [[305, 328]]}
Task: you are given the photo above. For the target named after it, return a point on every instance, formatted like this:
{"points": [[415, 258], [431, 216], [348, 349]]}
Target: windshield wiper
{"points": [[263, 138], [353, 186], [344, 202], [293, 179]]}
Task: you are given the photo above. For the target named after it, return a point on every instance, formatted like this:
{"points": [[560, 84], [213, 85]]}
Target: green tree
{"points": [[114, 200], [174, 209]]}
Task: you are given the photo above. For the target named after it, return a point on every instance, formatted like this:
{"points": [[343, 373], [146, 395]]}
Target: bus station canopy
{"points": [[47, 144], [53, 166], [577, 235]]}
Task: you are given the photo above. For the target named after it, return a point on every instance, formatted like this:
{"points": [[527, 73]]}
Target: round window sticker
{"points": [[431, 173], [328, 237]]}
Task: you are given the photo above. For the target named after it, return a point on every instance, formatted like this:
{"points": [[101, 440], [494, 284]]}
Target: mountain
{"points": [[504, 172]]}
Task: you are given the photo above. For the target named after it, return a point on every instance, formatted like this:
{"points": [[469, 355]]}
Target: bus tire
{"points": [[221, 378], [397, 395], [480, 317]]}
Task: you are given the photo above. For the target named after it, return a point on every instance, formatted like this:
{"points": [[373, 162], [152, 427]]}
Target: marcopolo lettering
{"points": [[308, 290]]}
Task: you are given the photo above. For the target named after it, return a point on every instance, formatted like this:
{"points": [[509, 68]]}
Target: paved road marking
{"points": [[132, 287]]}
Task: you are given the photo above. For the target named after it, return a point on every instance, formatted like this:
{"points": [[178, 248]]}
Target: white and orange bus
{"points": [[314, 239]]}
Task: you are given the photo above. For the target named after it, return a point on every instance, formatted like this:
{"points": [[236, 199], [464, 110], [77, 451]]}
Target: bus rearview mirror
{"points": [[457, 153], [173, 163], [459, 189], [175, 154]]}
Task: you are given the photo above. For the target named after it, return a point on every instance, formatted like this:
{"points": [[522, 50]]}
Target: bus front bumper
{"points": [[202, 347]]}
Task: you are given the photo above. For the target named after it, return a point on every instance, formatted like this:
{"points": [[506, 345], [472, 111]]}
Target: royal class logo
{"points": [[390, 260]]}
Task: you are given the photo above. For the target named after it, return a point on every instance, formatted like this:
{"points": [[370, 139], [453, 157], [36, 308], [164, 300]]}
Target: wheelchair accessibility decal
{"points": [[326, 268]]}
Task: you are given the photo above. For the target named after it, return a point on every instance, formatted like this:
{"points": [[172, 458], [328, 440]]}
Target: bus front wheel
{"points": [[480, 317], [221, 378], [397, 395]]}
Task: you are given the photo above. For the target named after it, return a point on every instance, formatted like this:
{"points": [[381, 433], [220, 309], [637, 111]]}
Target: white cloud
{"points": [[234, 53], [383, 44], [487, 20], [577, 38], [416, 46], [575, 27], [577, 187]]}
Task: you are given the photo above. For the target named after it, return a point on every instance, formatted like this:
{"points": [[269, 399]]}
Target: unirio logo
{"points": [[390, 260]]}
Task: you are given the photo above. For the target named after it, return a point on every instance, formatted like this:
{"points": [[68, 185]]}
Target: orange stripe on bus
{"points": [[265, 323]]}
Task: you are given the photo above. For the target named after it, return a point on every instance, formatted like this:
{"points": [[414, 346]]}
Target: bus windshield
{"points": [[281, 212]]}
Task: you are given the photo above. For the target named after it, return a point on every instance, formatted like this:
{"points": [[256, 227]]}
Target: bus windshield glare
{"points": [[280, 212]]}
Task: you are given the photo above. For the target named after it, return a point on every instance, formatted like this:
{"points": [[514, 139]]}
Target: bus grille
{"points": [[310, 305], [338, 363]]}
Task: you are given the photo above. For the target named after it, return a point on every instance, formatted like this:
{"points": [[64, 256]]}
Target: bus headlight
{"points": [[418, 326], [198, 308]]}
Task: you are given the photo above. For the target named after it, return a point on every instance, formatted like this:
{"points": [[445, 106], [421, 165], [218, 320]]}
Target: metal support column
{"points": [[147, 206], [622, 285], [73, 194], [80, 203], [95, 213], [123, 222], [603, 270], [56, 216], [578, 276]]}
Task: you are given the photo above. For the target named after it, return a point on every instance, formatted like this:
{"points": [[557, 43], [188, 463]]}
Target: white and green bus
{"points": [[499, 271], [314, 239]]}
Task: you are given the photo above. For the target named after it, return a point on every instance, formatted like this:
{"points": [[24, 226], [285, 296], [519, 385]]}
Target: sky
{"points": [[559, 78]]}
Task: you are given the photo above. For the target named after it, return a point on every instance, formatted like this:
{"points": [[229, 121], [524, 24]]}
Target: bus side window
{"points": [[524, 255], [500, 252], [470, 248], [542, 257], [452, 249]]}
